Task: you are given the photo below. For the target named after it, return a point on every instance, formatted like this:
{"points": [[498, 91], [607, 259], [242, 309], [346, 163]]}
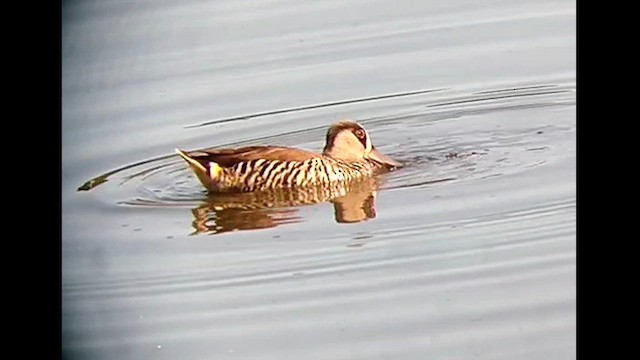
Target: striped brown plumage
{"points": [[260, 174]]}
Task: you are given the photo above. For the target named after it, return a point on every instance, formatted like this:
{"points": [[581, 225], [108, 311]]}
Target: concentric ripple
{"points": [[452, 145]]}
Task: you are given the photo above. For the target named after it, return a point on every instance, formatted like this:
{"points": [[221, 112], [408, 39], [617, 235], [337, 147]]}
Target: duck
{"points": [[348, 155]]}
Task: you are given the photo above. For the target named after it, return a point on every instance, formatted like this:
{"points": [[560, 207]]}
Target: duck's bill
{"points": [[375, 155]]}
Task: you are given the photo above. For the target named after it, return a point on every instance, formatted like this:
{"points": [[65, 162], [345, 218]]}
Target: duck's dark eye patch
{"points": [[361, 135]]}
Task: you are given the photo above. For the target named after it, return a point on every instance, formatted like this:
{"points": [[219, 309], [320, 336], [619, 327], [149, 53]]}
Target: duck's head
{"points": [[350, 142]]}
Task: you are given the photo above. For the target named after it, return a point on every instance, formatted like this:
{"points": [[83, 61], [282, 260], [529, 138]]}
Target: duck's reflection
{"points": [[353, 202]]}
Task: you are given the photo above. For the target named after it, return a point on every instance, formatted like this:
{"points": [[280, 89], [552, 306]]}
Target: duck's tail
{"points": [[206, 171]]}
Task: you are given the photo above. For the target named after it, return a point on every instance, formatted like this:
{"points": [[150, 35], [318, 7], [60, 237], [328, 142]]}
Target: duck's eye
{"points": [[360, 133]]}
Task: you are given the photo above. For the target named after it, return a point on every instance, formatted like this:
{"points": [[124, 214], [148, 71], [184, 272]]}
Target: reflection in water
{"points": [[220, 213]]}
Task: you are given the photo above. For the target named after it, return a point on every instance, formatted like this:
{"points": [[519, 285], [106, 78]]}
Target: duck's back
{"points": [[231, 157]]}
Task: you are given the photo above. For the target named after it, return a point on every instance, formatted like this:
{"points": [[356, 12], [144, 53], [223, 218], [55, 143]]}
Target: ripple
{"points": [[316, 106], [459, 150]]}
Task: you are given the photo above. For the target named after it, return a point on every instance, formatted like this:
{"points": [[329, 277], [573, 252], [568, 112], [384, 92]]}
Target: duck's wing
{"points": [[230, 157]]}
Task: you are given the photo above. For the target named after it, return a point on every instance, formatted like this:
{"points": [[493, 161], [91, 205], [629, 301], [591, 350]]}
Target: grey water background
{"points": [[472, 250]]}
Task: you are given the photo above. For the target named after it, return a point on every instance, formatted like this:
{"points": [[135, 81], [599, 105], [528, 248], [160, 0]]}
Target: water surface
{"points": [[467, 252]]}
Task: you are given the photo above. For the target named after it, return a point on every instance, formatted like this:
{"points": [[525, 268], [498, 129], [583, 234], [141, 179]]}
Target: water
{"points": [[468, 252]]}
